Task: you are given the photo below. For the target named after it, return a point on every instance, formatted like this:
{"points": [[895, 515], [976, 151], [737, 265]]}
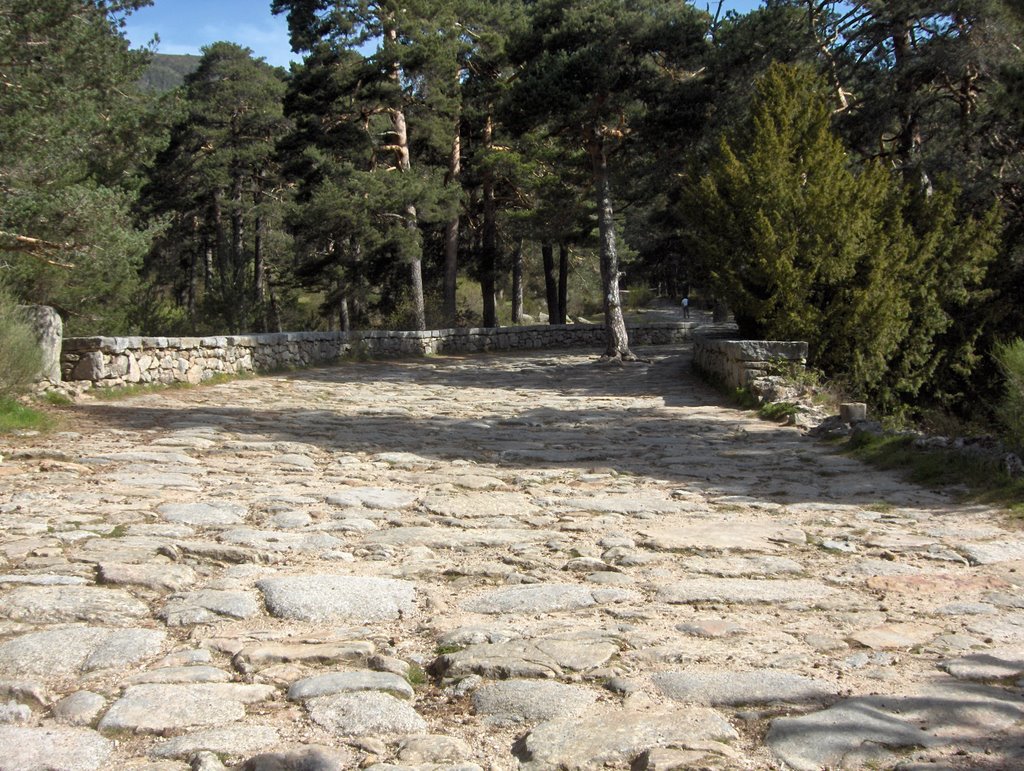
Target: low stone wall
{"points": [[115, 361], [736, 362]]}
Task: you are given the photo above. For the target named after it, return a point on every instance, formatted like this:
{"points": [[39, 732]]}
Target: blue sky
{"points": [[185, 26]]}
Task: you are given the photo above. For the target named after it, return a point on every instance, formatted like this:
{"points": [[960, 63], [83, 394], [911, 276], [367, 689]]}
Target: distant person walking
{"points": [[686, 307]]}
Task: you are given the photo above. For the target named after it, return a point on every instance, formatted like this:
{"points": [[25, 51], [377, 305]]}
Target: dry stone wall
{"points": [[737, 362], [115, 361]]}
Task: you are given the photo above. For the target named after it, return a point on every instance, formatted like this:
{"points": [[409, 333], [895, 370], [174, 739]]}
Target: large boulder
{"points": [[49, 329]]}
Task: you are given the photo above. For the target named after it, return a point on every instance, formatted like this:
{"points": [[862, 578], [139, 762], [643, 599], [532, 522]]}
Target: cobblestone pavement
{"points": [[492, 562]]}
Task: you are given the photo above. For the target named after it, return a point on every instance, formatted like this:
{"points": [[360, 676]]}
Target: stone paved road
{"points": [[496, 562]]}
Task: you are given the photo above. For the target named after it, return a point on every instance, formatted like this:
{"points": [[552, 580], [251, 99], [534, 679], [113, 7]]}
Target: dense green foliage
{"points": [[803, 245], [847, 172], [70, 133], [1010, 357]]}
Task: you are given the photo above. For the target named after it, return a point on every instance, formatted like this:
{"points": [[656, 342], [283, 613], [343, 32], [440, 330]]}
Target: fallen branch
{"points": [[36, 247]]}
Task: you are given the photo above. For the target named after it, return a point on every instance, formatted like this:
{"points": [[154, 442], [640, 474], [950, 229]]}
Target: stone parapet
{"points": [[116, 361], [735, 363]]}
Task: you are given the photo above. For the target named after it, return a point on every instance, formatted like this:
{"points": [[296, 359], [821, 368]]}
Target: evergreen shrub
{"points": [[1010, 357]]}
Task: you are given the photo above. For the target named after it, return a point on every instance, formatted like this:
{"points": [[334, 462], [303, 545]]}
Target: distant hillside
{"points": [[167, 71]]}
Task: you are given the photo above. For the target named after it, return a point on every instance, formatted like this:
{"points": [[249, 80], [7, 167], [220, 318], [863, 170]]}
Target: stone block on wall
{"points": [[90, 366]]}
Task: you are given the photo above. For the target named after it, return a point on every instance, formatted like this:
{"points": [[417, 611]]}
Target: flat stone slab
{"points": [[155, 479], [205, 514], [895, 635], [481, 505], [990, 552], [374, 498], [936, 585], [185, 674], [723, 534], [337, 598], [161, 577], [229, 740], [53, 749], [744, 591], [738, 567], [209, 605], [711, 628], [866, 729], [652, 503], [77, 649], [548, 657], [67, 604], [268, 654], [276, 541], [763, 686], [350, 682], [993, 664], [530, 701], [157, 708], [546, 598], [616, 737], [452, 538], [365, 714]]}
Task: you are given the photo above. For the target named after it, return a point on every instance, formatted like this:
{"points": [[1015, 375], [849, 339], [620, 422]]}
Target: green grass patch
{"points": [[15, 416], [981, 477], [57, 399], [416, 675], [777, 411], [442, 650], [745, 400]]}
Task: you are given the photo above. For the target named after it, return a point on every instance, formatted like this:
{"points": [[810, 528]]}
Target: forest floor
{"points": [[491, 562]]}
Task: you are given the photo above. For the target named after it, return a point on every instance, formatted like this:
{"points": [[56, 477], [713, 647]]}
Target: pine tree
{"points": [[394, 86], [805, 246], [589, 70], [217, 180], [72, 135]]}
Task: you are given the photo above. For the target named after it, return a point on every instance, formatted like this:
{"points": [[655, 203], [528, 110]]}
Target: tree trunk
{"points": [[547, 252], [259, 285], [489, 252], [563, 283], [238, 260], [190, 295], [617, 342], [404, 165], [451, 235], [218, 241], [517, 283], [275, 310]]}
